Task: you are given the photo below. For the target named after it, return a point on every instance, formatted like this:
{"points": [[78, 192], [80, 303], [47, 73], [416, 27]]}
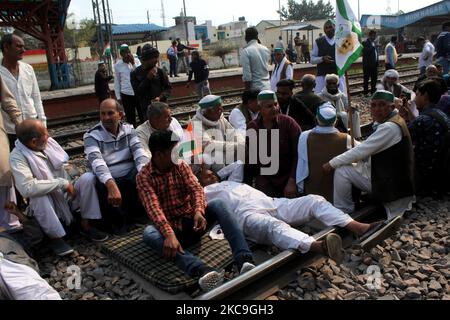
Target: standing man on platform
{"points": [[370, 63], [391, 55], [20, 79], [443, 48], [182, 56], [123, 88], [255, 62], [102, 79], [283, 69], [298, 47], [324, 55], [426, 58]]}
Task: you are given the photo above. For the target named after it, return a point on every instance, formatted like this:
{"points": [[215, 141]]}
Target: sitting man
{"points": [[431, 144], [316, 147], [339, 100], [276, 178], [290, 105], [37, 163], [159, 118], [175, 202], [246, 112], [309, 100], [221, 142], [268, 220], [384, 162], [115, 156], [19, 277], [390, 83]]}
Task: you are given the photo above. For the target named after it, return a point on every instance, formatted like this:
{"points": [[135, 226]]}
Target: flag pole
{"points": [[350, 111]]}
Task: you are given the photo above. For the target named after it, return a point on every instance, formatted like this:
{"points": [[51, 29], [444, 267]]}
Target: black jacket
{"points": [[101, 84], [369, 54], [147, 90]]}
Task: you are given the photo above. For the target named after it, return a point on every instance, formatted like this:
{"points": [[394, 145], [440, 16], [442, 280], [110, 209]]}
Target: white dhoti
{"points": [[320, 84], [7, 220], [44, 211], [87, 198], [347, 176], [20, 282], [275, 227]]}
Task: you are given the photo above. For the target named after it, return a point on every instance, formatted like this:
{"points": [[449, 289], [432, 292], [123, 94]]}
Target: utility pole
{"points": [[279, 11], [163, 13], [148, 17], [359, 15], [185, 22]]}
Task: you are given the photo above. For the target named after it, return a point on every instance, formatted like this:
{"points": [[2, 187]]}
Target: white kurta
{"points": [[21, 282], [354, 168], [41, 205], [268, 221], [276, 74], [238, 121], [320, 80]]}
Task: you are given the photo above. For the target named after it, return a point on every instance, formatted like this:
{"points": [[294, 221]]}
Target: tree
{"points": [[307, 10], [221, 49], [84, 36]]}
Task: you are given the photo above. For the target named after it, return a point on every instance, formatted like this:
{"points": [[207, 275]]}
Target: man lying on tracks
{"points": [[175, 202], [37, 163], [384, 162], [115, 156], [268, 221]]}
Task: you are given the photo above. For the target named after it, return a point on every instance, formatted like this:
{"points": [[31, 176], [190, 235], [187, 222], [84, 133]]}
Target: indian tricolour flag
{"points": [[189, 146], [348, 37]]}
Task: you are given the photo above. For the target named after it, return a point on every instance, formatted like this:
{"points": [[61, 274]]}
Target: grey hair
{"points": [[119, 107], [332, 76], [431, 66], [155, 109]]}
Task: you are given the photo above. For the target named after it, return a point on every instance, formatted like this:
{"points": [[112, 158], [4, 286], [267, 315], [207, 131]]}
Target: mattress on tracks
{"points": [[131, 251]]}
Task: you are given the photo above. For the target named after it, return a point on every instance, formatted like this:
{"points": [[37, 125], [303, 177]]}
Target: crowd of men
{"points": [[279, 161]]}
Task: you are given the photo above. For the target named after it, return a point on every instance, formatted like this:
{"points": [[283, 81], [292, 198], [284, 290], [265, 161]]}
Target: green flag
{"points": [[348, 37]]}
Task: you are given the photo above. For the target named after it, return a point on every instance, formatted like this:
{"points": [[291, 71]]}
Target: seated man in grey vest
{"points": [[19, 277], [246, 112], [37, 163], [339, 100], [382, 165], [316, 147]]}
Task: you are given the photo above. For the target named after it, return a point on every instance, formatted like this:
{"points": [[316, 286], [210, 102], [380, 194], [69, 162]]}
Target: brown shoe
{"points": [[332, 247]]}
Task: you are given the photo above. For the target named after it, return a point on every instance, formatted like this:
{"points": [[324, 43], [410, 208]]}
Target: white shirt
{"points": [[255, 65], [315, 59], [242, 199], [26, 92], [144, 131], [426, 58], [276, 74], [238, 121], [122, 82]]}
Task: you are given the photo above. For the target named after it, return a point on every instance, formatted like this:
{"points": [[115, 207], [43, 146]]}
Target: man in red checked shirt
{"points": [[175, 202]]}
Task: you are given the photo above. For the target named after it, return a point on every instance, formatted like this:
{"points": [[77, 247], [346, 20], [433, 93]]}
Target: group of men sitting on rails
{"points": [[258, 175]]}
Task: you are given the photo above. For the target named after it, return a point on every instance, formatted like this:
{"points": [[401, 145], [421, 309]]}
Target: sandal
{"points": [[332, 247]]}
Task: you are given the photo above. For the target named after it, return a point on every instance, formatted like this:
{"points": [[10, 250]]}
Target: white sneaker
{"points": [[210, 281], [247, 266]]}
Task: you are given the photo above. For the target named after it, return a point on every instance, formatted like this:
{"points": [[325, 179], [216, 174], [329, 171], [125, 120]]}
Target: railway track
{"points": [[72, 140]]}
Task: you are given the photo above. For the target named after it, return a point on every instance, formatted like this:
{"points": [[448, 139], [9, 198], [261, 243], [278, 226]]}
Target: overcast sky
{"points": [[220, 11]]}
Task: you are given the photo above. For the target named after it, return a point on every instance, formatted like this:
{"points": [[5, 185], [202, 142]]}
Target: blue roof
{"points": [[135, 28]]}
